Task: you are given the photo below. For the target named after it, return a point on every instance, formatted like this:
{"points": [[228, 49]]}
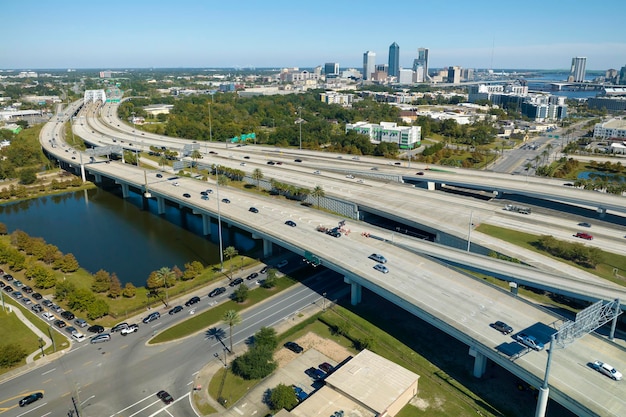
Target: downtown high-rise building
{"points": [[420, 64], [394, 60], [331, 68], [577, 73], [369, 65]]}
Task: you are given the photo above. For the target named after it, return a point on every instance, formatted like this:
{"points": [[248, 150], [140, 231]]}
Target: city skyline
{"points": [[194, 34]]}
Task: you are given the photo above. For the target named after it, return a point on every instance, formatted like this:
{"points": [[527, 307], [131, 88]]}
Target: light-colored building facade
{"points": [[577, 72], [421, 64], [331, 97], [406, 137], [612, 129]]}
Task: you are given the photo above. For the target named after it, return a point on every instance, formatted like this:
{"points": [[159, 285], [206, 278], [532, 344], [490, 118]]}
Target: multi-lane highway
{"points": [[121, 377], [455, 303]]}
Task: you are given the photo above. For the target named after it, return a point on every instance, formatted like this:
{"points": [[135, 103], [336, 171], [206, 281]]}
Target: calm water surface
{"points": [[104, 231]]}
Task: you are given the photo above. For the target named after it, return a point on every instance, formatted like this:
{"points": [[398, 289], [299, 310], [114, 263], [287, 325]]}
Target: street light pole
{"points": [[219, 218], [300, 123]]}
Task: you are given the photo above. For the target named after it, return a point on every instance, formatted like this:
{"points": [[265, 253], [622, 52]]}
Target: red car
{"points": [[583, 235]]}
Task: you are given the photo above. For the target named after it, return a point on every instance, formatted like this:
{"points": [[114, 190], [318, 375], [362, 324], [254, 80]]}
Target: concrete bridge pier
{"points": [[206, 225], [601, 211], [267, 248], [82, 173], [513, 286], [480, 362], [542, 402], [125, 190], [355, 291], [160, 205], [430, 185], [98, 178]]}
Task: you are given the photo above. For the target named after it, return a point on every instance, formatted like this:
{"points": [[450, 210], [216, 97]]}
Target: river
{"points": [[104, 231]]}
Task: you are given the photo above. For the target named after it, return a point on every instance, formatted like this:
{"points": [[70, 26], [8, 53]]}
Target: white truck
{"points": [[518, 209]]}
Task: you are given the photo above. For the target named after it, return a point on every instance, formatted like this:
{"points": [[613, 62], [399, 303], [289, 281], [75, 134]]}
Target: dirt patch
{"points": [[333, 350]]}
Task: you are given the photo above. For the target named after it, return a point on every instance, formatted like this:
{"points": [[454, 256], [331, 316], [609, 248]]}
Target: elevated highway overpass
{"points": [[449, 300]]}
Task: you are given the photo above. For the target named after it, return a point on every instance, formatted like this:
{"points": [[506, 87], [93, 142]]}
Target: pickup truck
{"points": [[132, 328]]}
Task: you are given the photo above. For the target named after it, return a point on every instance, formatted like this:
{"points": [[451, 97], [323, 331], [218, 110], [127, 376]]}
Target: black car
{"points": [[45, 303], [8, 289], [159, 176], [192, 300], [236, 282], [225, 200], [27, 289], [253, 210], [290, 223], [294, 347], [68, 315], [165, 397], [31, 398], [297, 160], [175, 310], [8, 277], [2, 284], [584, 224], [315, 373], [264, 270], [187, 195], [96, 328], [502, 327], [252, 276], [60, 324], [217, 291]]}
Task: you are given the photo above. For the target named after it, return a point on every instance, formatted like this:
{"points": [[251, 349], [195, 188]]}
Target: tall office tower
{"points": [[369, 65], [422, 61], [621, 80], [454, 75], [331, 68], [394, 60], [577, 74]]}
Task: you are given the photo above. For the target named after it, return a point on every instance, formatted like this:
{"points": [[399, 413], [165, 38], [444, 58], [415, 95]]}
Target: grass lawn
{"points": [[604, 270], [214, 315]]}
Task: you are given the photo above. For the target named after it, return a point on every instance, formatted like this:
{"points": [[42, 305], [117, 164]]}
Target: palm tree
{"points": [[230, 252], [195, 155], [232, 318], [318, 192], [257, 175], [162, 161], [222, 180], [165, 274]]}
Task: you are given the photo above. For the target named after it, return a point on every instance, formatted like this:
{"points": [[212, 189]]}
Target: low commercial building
{"points": [[612, 129], [368, 385], [155, 109], [406, 137]]}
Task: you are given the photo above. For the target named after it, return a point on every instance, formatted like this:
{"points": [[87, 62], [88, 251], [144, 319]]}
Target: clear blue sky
{"points": [[227, 33]]}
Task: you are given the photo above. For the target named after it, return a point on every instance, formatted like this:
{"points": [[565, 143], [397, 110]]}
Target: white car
{"points": [[608, 370], [78, 336], [175, 184], [48, 316]]}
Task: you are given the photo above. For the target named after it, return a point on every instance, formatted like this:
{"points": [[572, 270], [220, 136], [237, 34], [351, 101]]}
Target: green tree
{"points": [[318, 192], [241, 293], [101, 281], [230, 252], [270, 279], [232, 318], [67, 263], [115, 289], [43, 277], [192, 270], [266, 337], [129, 290], [256, 363], [153, 282], [63, 289], [167, 277], [11, 354], [80, 299], [28, 176], [257, 175], [282, 396], [99, 308]]}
